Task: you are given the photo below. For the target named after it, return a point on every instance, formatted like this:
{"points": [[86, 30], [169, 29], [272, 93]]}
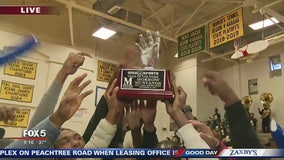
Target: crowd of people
{"points": [[113, 118]]}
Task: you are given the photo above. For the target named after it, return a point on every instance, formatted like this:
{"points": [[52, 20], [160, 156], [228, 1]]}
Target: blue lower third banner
{"points": [[139, 153]]}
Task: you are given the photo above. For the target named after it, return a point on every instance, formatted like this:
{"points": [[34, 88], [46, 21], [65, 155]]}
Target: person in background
{"points": [[2, 133], [216, 118], [168, 144], [253, 120], [265, 116]]}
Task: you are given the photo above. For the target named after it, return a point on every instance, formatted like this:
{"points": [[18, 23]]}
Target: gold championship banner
{"points": [[226, 28], [16, 91], [20, 68], [21, 119], [105, 71]]}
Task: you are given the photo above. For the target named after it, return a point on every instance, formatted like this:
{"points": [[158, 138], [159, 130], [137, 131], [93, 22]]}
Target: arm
{"points": [[175, 111], [133, 120], [149, 111], [107, 127], [277, 133], [49, 100], [102, 136], [260, 111], [243, 134]]}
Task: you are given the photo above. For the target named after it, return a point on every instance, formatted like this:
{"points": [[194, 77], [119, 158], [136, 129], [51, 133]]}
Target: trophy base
{"points": [[144, 84]]}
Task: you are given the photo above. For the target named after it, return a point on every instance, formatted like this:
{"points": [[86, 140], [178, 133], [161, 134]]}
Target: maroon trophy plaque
{"points": [[144, 84], [148, 82]]}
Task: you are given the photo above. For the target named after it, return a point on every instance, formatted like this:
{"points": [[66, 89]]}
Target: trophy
{"points": [[148, 82]]}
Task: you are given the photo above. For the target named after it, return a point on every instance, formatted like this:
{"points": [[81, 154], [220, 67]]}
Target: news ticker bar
{"points": [[28, 10], [140, 152]]}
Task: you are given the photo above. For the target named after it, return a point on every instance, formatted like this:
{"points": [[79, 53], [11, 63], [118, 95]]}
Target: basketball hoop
{"points": [[244, 51]]}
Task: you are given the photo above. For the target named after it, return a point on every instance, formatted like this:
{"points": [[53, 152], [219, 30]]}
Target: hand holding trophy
{"points": [[148, 82]]}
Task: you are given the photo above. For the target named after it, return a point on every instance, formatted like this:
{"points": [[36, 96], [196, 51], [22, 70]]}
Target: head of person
{"points": [[265, 106], [69, 139], [2, 132], [167, 144], [216, 110], [251, 115]]}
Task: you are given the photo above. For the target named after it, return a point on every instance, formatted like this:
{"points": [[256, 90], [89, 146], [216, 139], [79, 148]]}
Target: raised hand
{"points": [[115, 106], [75, 86], [205, 133], [133, 116], [71, 65], [7, 113], [174, 109], [71, 101], [150, 51], [149, 114], [217, 86]]}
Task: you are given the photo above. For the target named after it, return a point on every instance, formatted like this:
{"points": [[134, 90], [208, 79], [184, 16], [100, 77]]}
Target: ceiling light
{"points": [[103, 33], [265, 23]]}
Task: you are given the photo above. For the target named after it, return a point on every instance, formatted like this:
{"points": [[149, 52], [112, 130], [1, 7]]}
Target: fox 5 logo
{"points": [[34, 133]]}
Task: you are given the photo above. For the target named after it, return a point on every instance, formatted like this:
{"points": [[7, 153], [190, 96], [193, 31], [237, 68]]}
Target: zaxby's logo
{"points": [[243, 152]]}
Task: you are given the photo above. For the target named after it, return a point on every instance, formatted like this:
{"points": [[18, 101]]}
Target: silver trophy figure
{"points": [[149, 52]]}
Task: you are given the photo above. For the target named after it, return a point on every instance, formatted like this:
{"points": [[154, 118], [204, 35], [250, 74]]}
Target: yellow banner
{"points": [[21, 119], [105, 71], [20, 68], [16, 91], [226, 28]]}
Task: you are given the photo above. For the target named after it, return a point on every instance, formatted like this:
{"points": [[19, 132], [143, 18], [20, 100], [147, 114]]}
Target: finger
{"points": [[109, 91], [183, 92], [135, 105], [114, 92], [167, 102], [208, 83], [78, 80], [4, 114], [196, 124], [85, 94], [151, 103], [11, 113], [85, 54], [84, 85], [205, 137], [150, 38], [142, 41], [157, 37], [127, 108], [141, 103], [140, 48], [1, 113]]}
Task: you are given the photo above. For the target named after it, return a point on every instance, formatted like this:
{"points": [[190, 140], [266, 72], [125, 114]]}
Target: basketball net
{"points": [[241, 45]]}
